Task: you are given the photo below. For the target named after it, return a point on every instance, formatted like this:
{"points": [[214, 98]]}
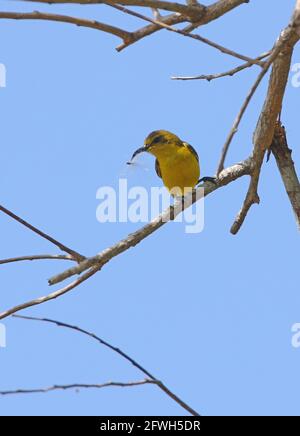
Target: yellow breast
{"points": [[179, 169]]}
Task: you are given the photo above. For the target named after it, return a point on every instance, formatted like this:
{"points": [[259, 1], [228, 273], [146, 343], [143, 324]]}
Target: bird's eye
{"points": [[158, 139]]}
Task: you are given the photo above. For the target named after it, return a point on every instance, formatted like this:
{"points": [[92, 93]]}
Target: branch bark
{"points": [[191, 11], [229, 73], [225, 177], [265, 128], [197, 37], [37, 257], [151, 378], [283, 156], [95, 263], [50, 296], [212, 12], [81, 22], [77, 386]]}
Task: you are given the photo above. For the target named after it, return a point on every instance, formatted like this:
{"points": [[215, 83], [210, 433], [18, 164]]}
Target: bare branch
{"points": [[121, 353], [143, 32], [283, 156], [74, 254], [215, 11], [37, 257], [91, 335], [242, 111], [296, 17], [264, 133], [192, 11], [93, 24], [232, 72], [78, 386], [51, 296], [212, 13], [197, 37], [227, 176], [127, 37]]}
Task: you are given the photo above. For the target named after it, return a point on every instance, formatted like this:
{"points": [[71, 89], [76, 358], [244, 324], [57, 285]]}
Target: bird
{"points": [[176, 163]]}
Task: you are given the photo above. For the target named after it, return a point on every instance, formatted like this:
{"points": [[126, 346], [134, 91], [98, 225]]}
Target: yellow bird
{"points": [[177, 162]]}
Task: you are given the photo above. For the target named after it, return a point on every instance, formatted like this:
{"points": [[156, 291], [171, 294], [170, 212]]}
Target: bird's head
{"points": [[157, 142]]}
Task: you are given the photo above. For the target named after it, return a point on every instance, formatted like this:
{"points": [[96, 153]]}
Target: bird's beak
{"points": [[138, 151]]}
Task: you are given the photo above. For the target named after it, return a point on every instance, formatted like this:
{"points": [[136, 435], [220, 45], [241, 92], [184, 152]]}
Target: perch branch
{"points": [[227, 176]]}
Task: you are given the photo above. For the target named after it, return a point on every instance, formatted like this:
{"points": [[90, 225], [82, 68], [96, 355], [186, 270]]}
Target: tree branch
{"points": [[212, 12], [37, 257], [191, 11], [78, 386], [51, 296], [74, 254], [243, 109], [197, 37], [121, 353], [232, 72], [227, 176], [95, 263], [264, 133], [283, 156], [215, 11], [93, 24]]}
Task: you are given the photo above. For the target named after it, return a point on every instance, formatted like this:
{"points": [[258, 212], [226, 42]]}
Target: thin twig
{"points": [[188, 35], [93, 24], [191, 11], [121, 353], [242, 111], [212, 12], [37, 257], [230, 73], [75, 255], [78, 386], [51, 296], [91, 335], [215, 11]]}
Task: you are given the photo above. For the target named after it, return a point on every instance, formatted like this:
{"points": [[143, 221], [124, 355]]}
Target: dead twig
{"points": [[229, 73], [151, 378], [74, 254]]}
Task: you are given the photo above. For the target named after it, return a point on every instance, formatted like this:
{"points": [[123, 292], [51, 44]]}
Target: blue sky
{"points": [[209, 314]]}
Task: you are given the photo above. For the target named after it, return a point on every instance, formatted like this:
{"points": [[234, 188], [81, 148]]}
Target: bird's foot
{"points": [[213, 180]]}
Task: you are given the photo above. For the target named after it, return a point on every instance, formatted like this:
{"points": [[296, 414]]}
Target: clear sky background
{"points": [[209, 314]]}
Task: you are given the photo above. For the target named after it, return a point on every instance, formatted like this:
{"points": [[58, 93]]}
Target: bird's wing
{"points": [[192, 150], [157, 168]]}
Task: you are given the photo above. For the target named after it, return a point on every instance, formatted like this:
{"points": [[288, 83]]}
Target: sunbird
{"points": [[177, 162]]}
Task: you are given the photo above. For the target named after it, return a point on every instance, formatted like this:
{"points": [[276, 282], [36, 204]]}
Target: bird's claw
{"points": [[208, 179]]}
